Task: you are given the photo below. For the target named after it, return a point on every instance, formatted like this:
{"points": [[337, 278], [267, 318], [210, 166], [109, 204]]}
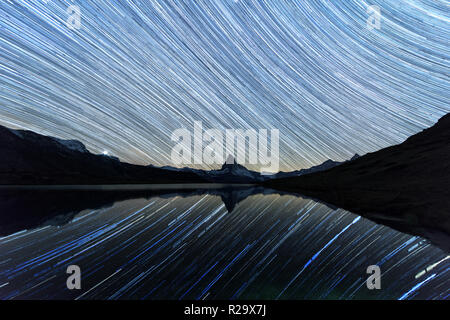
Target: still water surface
{"points": [[258, 246]]}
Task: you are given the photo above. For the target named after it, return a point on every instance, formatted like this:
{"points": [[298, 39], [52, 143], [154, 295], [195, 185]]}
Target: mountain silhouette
{"points": [[233, 172], [328, 164], [31, 158]]}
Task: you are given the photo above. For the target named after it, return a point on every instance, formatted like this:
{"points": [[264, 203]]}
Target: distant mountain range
{"points": [[321, 167], [406, 186], [31, 158], [230, 172]]}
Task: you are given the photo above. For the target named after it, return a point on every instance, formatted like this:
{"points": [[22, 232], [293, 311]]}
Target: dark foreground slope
{"points": [[406, 186], [31, 158]]}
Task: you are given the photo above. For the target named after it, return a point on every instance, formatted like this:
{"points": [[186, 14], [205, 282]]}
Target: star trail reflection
{"points": [[269, 246]]}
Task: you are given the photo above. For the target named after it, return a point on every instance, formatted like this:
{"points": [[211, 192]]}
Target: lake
{"points": [[217, 242]]}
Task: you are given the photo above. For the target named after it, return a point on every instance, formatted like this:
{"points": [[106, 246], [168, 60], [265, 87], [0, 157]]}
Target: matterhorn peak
{"points": [[231, 160]]}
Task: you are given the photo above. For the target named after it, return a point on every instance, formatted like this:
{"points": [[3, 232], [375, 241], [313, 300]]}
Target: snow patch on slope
{"points": [[74, 145]]}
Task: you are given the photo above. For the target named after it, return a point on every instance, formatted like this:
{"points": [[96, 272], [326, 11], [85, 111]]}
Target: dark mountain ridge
{"points": [[31, 158], [328, 164]]}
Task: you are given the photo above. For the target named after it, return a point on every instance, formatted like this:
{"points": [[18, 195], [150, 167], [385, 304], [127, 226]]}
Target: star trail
{"points": [[137, 70], [269, 247]]}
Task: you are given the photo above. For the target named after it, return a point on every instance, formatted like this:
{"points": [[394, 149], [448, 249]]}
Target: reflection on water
{"points": [[167, 246], [27, 207]]}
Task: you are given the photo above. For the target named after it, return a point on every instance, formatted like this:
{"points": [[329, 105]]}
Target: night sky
{"points": [[137, 70]]}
